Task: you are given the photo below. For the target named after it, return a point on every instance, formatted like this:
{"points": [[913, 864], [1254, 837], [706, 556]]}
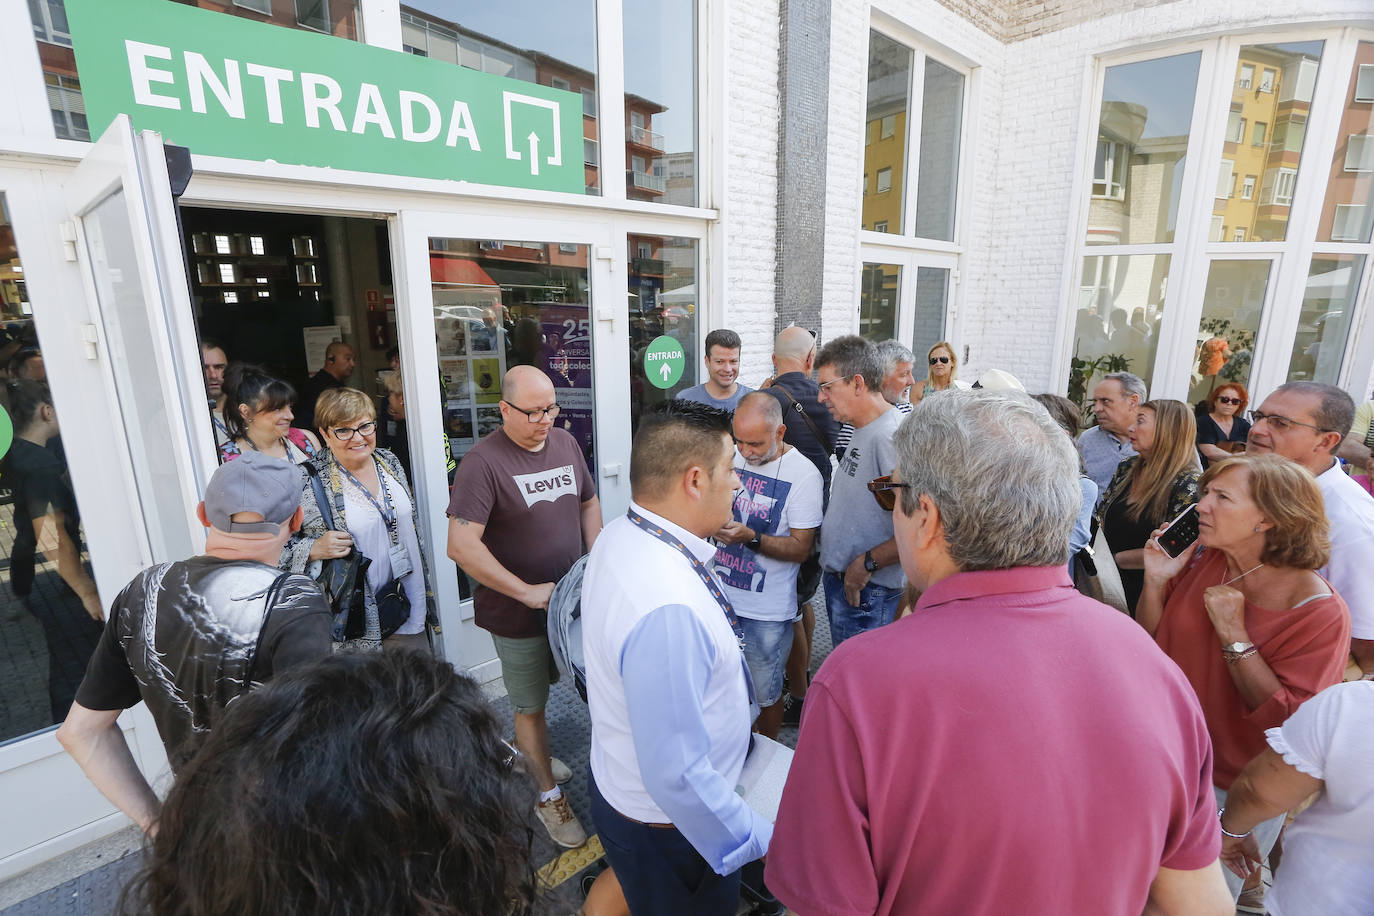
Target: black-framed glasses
{"points": [[824, 385], [345, 433], [1225, 400], [939, 359], [536, 415], [1281, 423], [884, 490]]}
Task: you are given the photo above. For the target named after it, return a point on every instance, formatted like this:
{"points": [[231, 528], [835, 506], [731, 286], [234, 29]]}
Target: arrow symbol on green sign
{"points": [[664, 362], [665, 371], [534, 153]]}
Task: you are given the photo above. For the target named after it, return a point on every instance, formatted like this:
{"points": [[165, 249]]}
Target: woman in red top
{"points": [[1248, 620]]}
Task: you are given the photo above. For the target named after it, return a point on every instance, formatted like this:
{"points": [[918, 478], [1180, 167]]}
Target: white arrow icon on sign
{"points": [[509, 99], [534, 153], [665, 371]]}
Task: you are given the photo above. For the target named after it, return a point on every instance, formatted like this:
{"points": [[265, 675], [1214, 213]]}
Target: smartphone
{"points": [[1181, 532]]}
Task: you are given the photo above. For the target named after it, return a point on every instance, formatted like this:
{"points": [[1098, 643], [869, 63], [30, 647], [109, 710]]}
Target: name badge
{"points": [[400, 561]]}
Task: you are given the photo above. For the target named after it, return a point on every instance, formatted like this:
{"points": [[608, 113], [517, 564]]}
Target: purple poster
{"points": [[567, 359]]}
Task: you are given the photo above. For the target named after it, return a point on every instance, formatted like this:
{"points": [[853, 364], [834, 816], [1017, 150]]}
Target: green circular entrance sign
{"points": [[6, 432], [664, 362]]}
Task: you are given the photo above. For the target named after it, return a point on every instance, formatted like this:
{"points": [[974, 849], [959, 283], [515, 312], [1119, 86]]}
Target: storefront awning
{"points": [[458, 270]]}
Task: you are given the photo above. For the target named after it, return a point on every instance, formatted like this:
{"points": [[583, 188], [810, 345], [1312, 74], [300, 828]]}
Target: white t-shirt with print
{"points": [[776, 497]]}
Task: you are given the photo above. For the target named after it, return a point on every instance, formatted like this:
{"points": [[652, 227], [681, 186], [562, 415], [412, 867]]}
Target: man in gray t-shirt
{"points": [[721, 389], [862, 576]]}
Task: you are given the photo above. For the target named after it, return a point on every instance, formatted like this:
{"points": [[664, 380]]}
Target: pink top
{"points": [[1011, 747]]}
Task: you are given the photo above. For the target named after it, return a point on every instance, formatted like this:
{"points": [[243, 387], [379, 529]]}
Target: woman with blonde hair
{"points": [[1150, 488], [1245, 616], [940, 376]]}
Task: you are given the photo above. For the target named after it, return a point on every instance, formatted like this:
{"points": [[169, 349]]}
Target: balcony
{"points": [[644, 181], [642, 136]]}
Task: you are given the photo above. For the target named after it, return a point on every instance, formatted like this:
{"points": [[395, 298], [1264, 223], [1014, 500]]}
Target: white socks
{"points": [[550, 795]]}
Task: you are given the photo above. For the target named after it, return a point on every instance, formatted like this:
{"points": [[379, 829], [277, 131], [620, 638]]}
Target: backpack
{"points": [[564, 626]]}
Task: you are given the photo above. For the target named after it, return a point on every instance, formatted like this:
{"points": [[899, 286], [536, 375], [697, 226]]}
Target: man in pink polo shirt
{"points": [[1012, 746]]}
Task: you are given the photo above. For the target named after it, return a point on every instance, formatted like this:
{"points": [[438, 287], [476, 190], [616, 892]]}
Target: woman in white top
{"points": [[1326, 747], [942, 374], [372, 508]]}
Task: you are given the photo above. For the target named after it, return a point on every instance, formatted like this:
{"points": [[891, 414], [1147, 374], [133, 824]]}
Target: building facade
{"points": [[1178, 188]]}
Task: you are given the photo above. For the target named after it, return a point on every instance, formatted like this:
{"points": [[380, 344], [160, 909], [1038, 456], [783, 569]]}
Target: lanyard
{"points": [[388, 514], [702, 572]]}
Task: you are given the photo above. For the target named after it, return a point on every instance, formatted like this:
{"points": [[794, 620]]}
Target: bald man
{"points": [[524, 509], [338, 367]]}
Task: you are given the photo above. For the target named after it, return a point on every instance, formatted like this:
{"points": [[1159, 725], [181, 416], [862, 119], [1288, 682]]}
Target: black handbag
{"points": [[393, 607], [343, 579]]}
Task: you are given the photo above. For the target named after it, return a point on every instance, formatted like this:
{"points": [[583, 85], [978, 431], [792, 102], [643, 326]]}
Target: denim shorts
{"points": [[767, 643], [527, 669], [877, 606]]}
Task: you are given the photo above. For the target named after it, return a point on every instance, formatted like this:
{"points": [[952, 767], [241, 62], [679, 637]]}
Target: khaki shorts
{"points": [[527, 668]]}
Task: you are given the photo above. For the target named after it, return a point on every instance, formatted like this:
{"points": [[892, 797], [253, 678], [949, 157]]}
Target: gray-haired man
{"points": [[188, 637], [1104, 446], [985, 492]]}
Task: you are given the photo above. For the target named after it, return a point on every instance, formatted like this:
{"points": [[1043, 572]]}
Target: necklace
{"points": [[1242, 575]]}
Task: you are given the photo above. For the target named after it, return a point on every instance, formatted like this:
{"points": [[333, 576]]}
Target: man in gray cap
{"points": [[188, 637]]}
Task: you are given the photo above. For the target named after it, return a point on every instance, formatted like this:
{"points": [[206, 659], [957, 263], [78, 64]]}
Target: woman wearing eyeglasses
{"points": [[944, 366], [1222, 429], [1149, 488], [370, 504]]}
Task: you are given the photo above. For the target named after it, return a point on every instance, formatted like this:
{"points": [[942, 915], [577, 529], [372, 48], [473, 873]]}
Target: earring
{"points": [[1257, 528]]}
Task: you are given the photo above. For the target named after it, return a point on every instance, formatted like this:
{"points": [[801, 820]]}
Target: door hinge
{"points": [[67, 229], [90, 337]]}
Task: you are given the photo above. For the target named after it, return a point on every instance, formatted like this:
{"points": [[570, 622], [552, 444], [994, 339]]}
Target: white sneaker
{"points": [[558, 819]]}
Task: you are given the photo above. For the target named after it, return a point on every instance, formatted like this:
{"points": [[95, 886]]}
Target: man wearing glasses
{"points": [[524, 509], [1306, 422], [863, 583]]}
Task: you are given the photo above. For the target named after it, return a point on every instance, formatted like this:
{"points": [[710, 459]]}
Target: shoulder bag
{"points": [[342, 579]]}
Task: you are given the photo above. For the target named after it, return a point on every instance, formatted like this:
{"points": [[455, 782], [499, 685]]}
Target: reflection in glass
{"points": [[1120, 307], [660, 101], [1265, 127], [1232, 306], [937, 178], [1324, 326], [663, 301], [932, 294], [551, 44], [878, 293], [51, 612], [889, 100], [1142, 142], [499, 304], [1348, 212]]}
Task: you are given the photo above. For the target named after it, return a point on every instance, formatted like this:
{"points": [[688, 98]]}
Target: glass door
{"points": [[908, 296]]}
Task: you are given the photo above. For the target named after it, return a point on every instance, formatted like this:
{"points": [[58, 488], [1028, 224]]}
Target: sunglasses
{"points": [[884, 491], [1225, 400], [938, 359]]}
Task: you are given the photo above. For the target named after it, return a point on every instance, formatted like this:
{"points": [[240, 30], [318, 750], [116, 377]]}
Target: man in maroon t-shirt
{"points": [[524, 508], [1012, 746]]}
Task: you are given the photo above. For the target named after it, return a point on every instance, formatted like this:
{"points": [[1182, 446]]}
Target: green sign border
{"points": [[226, 86]]}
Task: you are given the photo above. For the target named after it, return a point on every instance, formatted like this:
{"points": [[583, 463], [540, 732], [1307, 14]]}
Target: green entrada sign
{"points": [[664, 362], [226, 86]]}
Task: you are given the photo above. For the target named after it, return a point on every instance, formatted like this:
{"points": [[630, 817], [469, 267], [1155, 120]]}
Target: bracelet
{"points": [[1234, 836], [1241, 656]]}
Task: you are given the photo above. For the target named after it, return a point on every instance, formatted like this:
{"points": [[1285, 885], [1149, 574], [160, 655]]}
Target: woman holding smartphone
{"points": [[1248, 620], [1149, 489]]}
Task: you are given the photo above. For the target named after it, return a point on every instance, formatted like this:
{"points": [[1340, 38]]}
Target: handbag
{"points": [[343, 579], [393, 607]]}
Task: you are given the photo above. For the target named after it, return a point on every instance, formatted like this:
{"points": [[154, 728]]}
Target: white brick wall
{"points": [[1018, 211]]}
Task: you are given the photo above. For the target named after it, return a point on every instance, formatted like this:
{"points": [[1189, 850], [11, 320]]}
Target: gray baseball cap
{"points": [[253, 482]]}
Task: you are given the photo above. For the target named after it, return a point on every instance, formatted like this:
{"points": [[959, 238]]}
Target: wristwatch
{"points": [[755, 544], [870, 564], [1236, 648]]}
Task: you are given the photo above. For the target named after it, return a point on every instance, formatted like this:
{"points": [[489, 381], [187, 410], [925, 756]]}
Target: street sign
{"points": [[226, 86], [664, 362]]}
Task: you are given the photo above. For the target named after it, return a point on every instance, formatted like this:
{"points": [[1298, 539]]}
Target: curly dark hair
{"points": [[364, 784]]}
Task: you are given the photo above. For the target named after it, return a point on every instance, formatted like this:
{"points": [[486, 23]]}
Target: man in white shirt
{"points": [[772, 527], [1306, 422], [667, 686]]}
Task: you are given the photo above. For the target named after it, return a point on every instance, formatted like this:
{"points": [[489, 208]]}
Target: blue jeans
{"points": [[877, 606], [767, 644]]}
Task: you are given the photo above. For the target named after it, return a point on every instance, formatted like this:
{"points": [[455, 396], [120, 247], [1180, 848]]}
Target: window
{"points": [[889, 126], [1226, 180], [1109, 170], [589, 103], [1347, 224], [884, 180], [890, 65], [1247, 188], [1239, 234], [1267, 80], [231, 297], [878, 294], [1283, 187], [880, 226], [68, 108], [865, 184], [257, 6], [660, 54], [1257, 135], [1364, 83], [1247, 76], [1218, 229], [590, 154], [558, 82], [313, 14], [50, 22], [256, 245], [1359, 153], [222, 245], [1235, 128]]}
